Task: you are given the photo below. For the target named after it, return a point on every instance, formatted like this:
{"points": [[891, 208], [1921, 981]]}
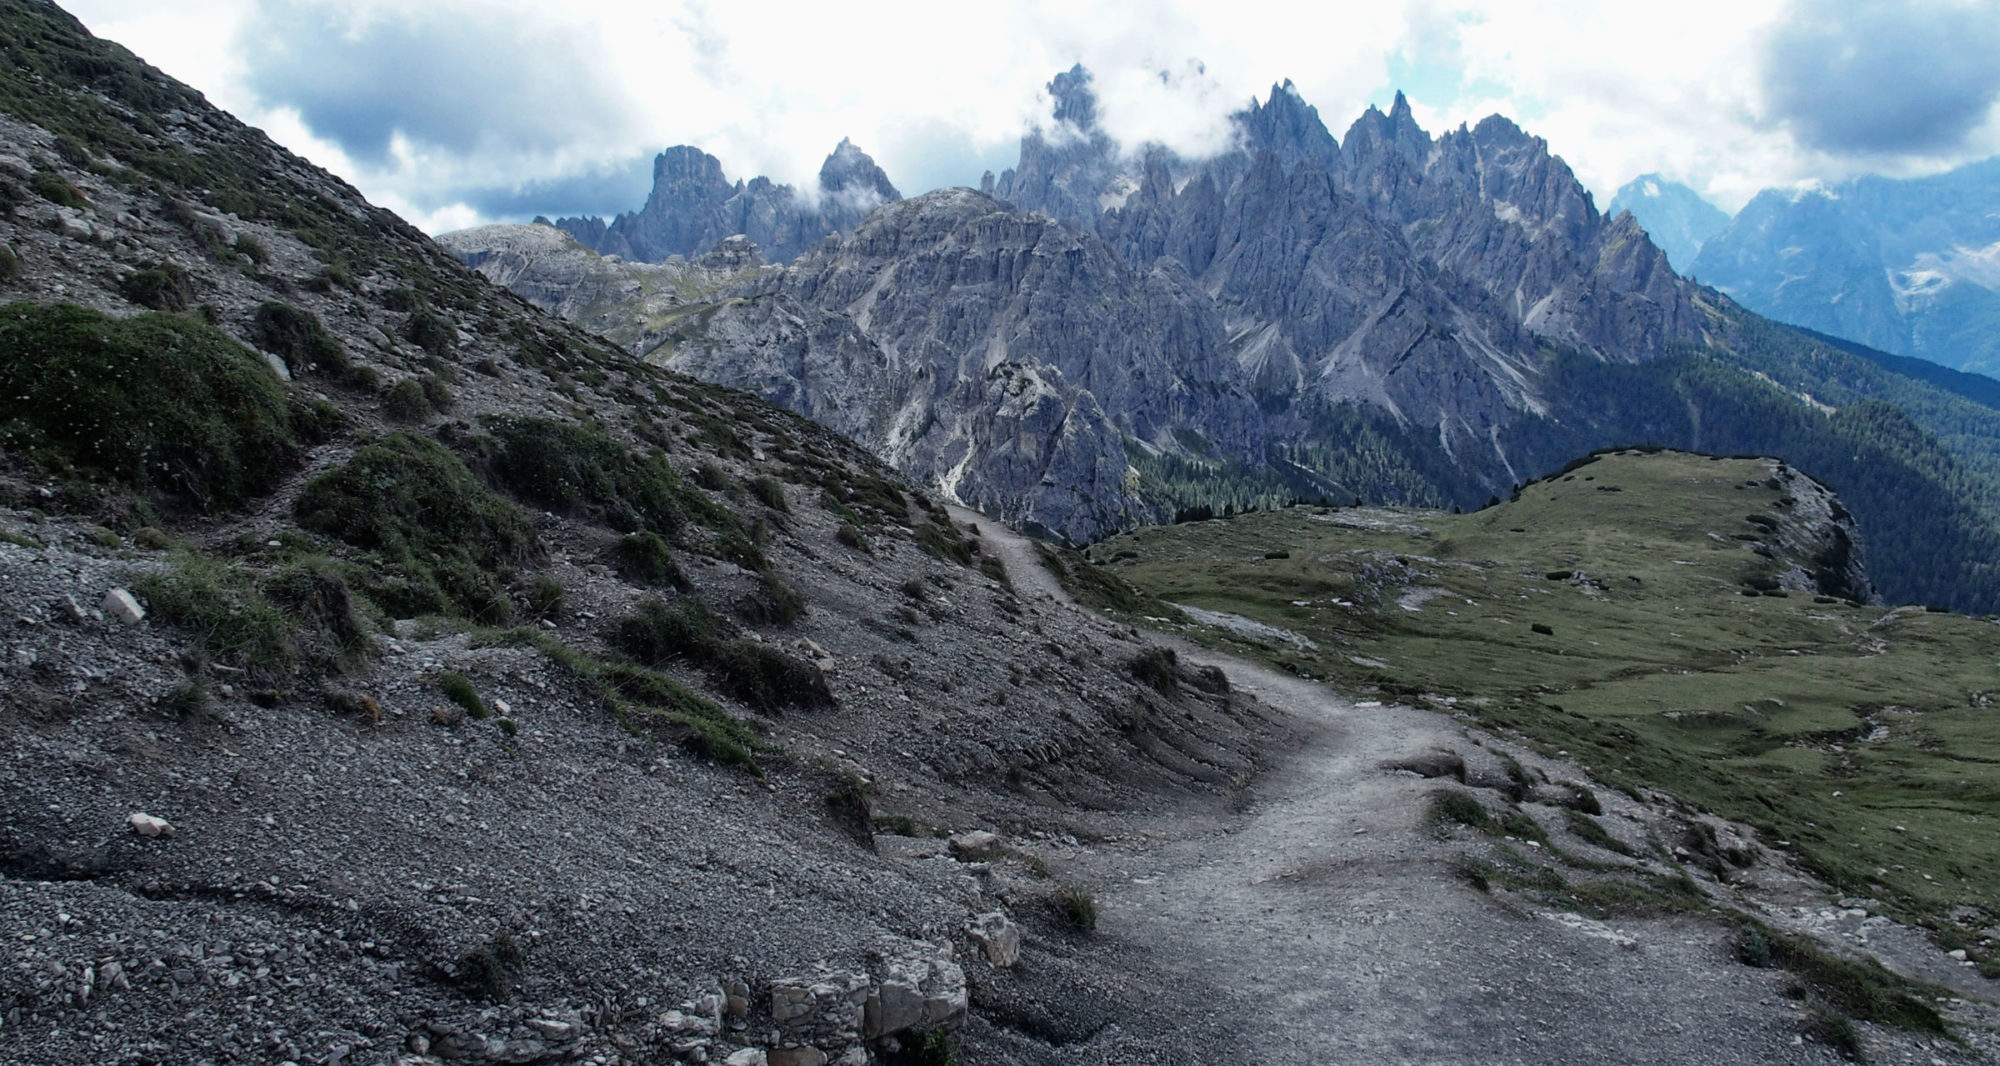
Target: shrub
{"points": [[851, 535], [56, 189], [710, 476], [405, 402], [185, 700], [315, 593], [1834, 1029], [996, 571], [663, 631], [431, 333], [164, 286], [768, 679], [545, 596], [436, 393], [1452, 807], [1158, 668], [733, 546], [644, 557], [1078, 907], [932, 1047], [10, 264], [770, 493], [458, 689], [568, 468], [942, 540], [252, 249], [228, 615], [1753, 948], [415, 505], [485, 969], [1590, 831], [772, 602], [154, 401], [296, 336]]}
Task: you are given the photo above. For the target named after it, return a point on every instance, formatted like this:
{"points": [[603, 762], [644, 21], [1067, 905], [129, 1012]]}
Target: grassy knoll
{"points": [[1606, 613]]}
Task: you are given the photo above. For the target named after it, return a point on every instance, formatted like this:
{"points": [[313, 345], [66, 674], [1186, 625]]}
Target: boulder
{"points": [[148, 826], [976, 846], [999, 939], [121, 605]]}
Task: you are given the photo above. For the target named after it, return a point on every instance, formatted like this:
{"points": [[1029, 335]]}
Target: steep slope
{"points": [[1673, 215], [692, 206], [1907, 266]]}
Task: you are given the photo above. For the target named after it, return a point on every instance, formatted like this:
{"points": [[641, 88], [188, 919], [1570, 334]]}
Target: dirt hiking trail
{"points": [[1331, 923]]}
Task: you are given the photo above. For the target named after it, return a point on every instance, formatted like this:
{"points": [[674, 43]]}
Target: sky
{"points": [[458, 112]]}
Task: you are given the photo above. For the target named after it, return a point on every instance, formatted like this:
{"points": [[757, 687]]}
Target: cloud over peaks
{"points": [[1876, 78]]}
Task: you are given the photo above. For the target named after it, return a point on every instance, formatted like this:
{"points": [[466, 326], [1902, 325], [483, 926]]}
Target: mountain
{"points": [[1673, 215], [692, 206], [1111, 338], [1907, 266], [396, 672]]}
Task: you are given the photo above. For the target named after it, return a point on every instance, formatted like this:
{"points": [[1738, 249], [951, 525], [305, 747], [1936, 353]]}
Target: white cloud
{"points": [[1617, 89]]}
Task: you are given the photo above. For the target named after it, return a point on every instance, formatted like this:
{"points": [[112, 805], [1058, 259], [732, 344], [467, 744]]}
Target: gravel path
{"points": [[1328, 923]]}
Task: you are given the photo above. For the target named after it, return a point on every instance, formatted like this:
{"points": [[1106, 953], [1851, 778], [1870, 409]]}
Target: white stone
{"points": [[976, 845], [121, 605], [148, 826], [749, 1056], [999, 939]]}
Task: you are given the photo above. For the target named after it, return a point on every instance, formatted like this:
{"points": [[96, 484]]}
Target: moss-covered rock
{"points": [[155, 402]]}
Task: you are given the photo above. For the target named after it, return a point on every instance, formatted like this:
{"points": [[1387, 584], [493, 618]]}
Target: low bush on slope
{"points": [[155, 402]]}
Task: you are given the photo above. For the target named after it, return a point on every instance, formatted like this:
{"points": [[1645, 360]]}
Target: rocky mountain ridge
{"points": [[692, 206], [1392, 317], [1673, 215], [455, 688], [1906, 266]]}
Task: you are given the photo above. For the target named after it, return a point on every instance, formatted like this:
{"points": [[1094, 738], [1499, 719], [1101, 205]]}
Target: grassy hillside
{"points": [[1612, 611]]}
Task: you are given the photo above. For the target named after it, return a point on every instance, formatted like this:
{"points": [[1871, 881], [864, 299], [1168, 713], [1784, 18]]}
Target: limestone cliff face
{"points": [[1004, 357], [1012, 348], [1415, 275]]}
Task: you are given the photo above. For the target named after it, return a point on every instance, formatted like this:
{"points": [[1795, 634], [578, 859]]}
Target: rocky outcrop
{"points": [[1813, 539], [693, 205]]}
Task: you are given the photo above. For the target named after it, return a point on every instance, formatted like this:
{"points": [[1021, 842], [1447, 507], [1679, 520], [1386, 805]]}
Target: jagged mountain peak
{"points": [[849, 170], [1398, 129], [685, 162], [693, 204], [1499, 129], [1287, 125], [1075, 95]]}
